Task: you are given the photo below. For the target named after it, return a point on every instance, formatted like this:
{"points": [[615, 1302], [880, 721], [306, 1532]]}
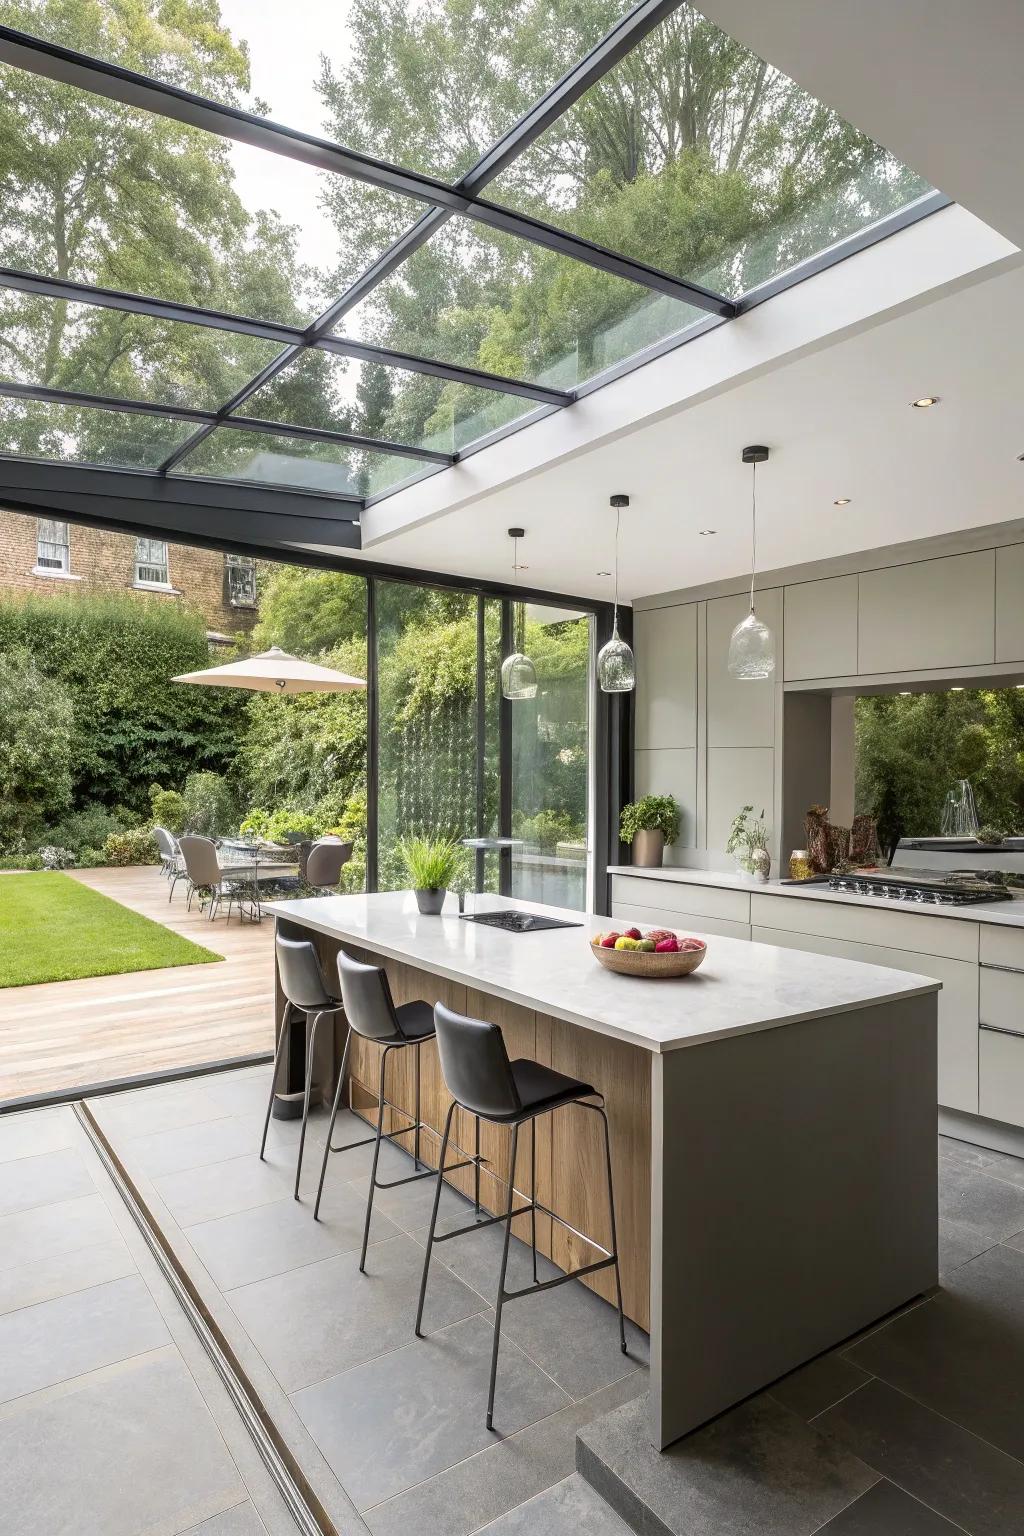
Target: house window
{"points": [[240, 573], [151, 568], [53, 551]]}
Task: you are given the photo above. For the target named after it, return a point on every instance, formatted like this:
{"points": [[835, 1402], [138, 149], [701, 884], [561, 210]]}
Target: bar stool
{"points": [[302, 983], [482, 1080], [371, 1013]]}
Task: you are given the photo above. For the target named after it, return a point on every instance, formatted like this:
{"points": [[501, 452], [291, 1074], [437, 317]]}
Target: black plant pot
{"points": [[431, 901]]}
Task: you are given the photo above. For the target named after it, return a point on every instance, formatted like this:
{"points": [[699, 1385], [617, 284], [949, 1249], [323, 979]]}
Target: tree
{"points": [[105, 193], [691, 154], [911, 750], [36, 725]]}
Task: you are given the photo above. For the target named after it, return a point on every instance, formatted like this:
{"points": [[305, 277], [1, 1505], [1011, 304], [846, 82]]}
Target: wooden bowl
{"points": [[644, 962]]}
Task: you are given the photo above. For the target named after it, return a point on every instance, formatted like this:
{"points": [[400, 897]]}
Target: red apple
{"points": [[667, 946], [608, 942], [632, 933]]}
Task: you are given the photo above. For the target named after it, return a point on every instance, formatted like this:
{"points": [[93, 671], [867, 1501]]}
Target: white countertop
{"points": [[1009, 913], [740, 988]]}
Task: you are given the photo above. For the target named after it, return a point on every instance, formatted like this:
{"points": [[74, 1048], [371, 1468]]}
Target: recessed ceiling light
{"points": [[924, 402], [706, 532], [842, 501]]}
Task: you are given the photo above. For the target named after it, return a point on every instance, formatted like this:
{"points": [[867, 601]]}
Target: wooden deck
{"points": [[64, 1034]]}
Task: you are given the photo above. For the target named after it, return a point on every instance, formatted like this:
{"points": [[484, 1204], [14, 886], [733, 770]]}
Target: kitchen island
{"points": [[772, 1120]]}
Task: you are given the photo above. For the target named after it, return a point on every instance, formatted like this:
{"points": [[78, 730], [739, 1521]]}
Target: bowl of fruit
{"points": [[658, 952]]}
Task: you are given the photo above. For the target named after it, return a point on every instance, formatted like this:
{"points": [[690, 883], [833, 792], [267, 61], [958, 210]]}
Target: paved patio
{"points": [[67, 1034]]}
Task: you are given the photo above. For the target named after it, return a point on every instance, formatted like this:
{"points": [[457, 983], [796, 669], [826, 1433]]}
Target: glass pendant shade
{"points": [[616, 669], [518, 677], [751, 650]]}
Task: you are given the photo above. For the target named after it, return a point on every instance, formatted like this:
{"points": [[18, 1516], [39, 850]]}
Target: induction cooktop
{"points": [[517, 922]]}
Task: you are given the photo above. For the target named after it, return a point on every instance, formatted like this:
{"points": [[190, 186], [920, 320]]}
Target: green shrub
{"points": [[549, 828], [168, 808], [135, 847], [90, 858], [36, 731], [131, 724], [53, 857], [209, 805], [292, 826], [254, 823], [88, 828]]}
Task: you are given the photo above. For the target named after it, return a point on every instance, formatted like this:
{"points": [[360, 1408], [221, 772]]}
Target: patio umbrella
{"points": [[274, 671]]}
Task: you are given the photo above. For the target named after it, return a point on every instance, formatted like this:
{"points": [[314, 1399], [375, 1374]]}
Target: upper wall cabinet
{"points": [[929, 615], [1010, 603], [821, 628], [741, 714], [665, 640]]}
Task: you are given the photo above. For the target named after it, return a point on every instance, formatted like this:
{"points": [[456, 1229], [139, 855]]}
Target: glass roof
{"points": [[35, 429], [521, 197]]}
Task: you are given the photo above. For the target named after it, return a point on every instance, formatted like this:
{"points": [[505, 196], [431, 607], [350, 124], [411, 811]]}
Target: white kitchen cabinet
{"points": [[1010, 603], [671, 771], [930, 614], [665, 642], [958, 1001], [682, 922], [943, 936], [1001, 1094], [820, 629], [740, 714], [680, 896]]}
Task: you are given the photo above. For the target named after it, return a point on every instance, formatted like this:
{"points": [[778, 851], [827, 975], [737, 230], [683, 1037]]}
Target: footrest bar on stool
{"points": [[549, 1285], [428, 1173]]}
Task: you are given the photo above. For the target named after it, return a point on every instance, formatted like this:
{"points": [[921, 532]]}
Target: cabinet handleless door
{"points": [[1010, 603], [930, 614], [821, 628], [665, 640], [741, 714]]}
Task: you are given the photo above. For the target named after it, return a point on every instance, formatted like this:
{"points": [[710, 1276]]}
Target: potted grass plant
{"points": [[432, 864], [647, 825]]}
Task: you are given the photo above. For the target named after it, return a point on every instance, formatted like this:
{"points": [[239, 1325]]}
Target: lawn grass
{"points": [[53, 928]]}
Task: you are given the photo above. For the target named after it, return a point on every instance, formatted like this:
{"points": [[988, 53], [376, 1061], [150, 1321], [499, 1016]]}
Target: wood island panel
{"points": [[570, 1147]]}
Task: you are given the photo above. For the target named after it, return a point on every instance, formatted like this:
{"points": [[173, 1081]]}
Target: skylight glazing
{"points": [[502, 204]]}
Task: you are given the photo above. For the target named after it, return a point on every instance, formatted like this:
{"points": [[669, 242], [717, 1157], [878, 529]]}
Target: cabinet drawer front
{"points": [[1002, 1077], [958, 1003], [945, 937], [1002, 946], [684, 922], [677, 896], [1001, 1000]]}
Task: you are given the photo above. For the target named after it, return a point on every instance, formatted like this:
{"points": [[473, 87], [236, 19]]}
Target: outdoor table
{"points": [[253, 862]]}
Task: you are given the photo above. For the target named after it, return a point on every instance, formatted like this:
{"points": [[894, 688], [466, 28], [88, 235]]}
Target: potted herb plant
{"points": [[432, 863], [748, 843], [647, 825]]}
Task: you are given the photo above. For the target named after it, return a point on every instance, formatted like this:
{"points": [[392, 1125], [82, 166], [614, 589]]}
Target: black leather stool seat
{"points": [[416, 1019], [541, 1088]]}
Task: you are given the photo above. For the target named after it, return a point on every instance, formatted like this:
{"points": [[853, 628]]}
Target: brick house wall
{"points": [[100, 561]]}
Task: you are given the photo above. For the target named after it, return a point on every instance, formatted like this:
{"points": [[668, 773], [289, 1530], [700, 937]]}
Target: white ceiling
{"points": [[838, 423], [943, 93]]}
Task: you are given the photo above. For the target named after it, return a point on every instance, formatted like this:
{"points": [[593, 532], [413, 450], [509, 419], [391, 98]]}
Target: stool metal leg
{"points": [[501, 1280], [310, 1049], [533, 1193], [278, 1052], [416, 1132], [339, 1090], [376, 1155], [433, 1217], [615, 1241], [476, 1167]]}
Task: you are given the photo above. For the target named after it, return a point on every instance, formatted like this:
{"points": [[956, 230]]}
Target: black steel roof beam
{"points": [[110, 80], [77, 397], [455, 373]]}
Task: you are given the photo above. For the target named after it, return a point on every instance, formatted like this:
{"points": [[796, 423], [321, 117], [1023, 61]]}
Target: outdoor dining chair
{"points": [[172, 866], [209, 879]]}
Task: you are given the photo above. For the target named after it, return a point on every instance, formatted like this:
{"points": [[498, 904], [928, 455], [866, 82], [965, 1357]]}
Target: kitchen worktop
{"points": [[1008, 913], [741, 987]]}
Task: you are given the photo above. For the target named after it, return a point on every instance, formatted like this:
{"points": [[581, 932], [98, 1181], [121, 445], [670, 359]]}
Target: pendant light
{"points": [[752, 646], [518, 673], [616, 669]]}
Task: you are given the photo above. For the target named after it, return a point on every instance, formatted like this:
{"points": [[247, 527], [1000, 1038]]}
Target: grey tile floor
{"points": [[914, 1428], [112, 1422]]}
